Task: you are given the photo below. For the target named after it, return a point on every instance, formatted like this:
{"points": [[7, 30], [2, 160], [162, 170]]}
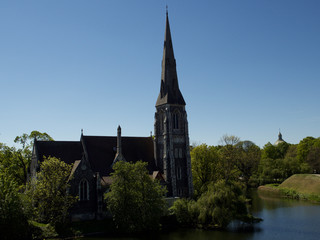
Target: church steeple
{"points": [[169, 90], [171, 137]]}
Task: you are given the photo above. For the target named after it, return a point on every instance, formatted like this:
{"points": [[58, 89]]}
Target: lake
{"points": [[283, 219]]}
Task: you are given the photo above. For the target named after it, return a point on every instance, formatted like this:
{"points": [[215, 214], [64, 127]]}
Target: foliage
{"points": [[14, 164], [17, 161], [283, 160], [186, 211], [308, 150], [135, 201], [248, 160], [13, 221], [205, 164], [237, 160], [216, 208], [48, 193]]}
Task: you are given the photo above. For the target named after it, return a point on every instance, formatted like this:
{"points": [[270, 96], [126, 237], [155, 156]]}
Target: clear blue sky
{"points": [[245, 68]]}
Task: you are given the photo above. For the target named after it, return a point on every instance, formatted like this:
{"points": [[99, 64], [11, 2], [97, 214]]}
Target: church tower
{"points": [[172, 151]]}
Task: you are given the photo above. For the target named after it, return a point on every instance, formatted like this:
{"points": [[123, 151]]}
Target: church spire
{"points": [[169, 90]]}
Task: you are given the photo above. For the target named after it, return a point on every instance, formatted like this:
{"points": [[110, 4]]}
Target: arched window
{"points": [[176, 121], [84, 190]]}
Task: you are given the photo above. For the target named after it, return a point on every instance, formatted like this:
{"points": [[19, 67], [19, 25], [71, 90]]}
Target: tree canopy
{"points": [[135, 201], [48, 193]]}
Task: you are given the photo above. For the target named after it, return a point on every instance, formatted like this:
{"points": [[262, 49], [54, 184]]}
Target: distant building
{"points": [[280, 140], [167, 155]]}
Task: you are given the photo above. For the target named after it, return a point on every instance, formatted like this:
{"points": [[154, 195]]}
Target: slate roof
{"points": [[67, 151], [100, 151]]}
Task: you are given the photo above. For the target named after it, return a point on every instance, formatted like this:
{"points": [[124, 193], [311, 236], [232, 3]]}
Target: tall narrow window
{"points": [[175, 121], [176, 152], [84, 190], [161, 122], [179, 173]]}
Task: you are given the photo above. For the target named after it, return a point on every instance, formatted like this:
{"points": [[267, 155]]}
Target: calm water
{"points": [[282, 219]]}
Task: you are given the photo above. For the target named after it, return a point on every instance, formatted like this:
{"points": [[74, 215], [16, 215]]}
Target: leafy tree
{"points": [[48, 192], [248, 160], [216, 208], [205, 165], [26, 140], [17, 161], [270, 151], [13, 164], [13, 221], [229, 155], [135, 200], [308, 150], [186, 212]]}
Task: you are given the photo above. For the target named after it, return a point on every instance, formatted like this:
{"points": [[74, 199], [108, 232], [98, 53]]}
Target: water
{"points": [[283, 219]]}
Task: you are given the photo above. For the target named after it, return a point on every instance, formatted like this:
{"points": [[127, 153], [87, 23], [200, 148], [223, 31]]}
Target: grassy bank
{"points": [[298, 186]]}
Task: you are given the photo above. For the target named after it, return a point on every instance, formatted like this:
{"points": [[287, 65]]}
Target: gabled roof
{"points": [[99, 150], [169, 89], [102, 150], [67, 151]]}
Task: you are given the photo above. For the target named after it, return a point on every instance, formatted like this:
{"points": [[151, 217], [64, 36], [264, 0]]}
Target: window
{"points": [[175, 121], [179, 173], [161, 122], [83, 190], [176, 152], [180, 153]]}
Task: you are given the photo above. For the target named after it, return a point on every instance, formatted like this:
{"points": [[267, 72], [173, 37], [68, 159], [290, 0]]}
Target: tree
{"points": [[13, 221], [216, 208], [248, 161], [205, 167], [308, 150], [11, 162], [229, 140], [229, 155], [135, 200], [48, 192], [23, 155]]}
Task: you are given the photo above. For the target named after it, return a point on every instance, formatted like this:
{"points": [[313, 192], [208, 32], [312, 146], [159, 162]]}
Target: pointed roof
{"points": [[169, 90]]}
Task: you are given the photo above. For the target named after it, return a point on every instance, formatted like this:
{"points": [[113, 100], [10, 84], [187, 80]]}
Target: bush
{"points": [[216, 208], [13, 221]]}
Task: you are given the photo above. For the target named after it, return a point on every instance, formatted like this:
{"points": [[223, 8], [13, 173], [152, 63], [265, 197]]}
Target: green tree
{"points": [[17, 161], [13, 221], [135, 201], [229, 156], [248, 160], [216, 208], [12, 162], [205, 165], [48, 193], [308, 150]]}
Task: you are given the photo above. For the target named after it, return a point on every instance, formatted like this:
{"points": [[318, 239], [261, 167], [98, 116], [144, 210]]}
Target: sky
{"points": [[246, 68]]}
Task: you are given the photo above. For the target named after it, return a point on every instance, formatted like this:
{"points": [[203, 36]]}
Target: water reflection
{"points": [[283, 219]]}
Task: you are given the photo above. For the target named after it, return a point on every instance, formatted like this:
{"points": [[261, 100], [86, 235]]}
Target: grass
{"points": [[298, 186], [303, 183]]}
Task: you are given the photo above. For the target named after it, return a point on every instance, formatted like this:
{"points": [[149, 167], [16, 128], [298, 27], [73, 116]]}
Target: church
{"points": [[167, 152]]}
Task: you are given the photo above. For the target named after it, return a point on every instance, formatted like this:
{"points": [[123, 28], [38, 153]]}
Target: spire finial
{"points": [[167, 9], [81, 131]]}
